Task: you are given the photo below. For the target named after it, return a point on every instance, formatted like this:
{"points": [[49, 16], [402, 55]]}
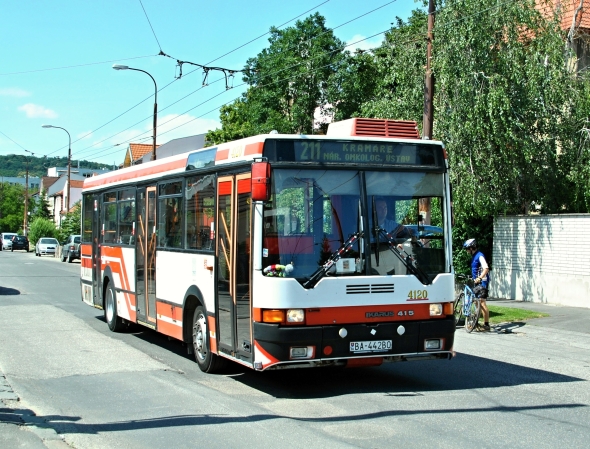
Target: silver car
{"points": [[46, 246], [6, 240]]}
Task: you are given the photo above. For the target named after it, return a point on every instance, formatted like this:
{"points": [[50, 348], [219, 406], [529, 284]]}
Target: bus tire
{"points": [[207, 361], [114, 322]]}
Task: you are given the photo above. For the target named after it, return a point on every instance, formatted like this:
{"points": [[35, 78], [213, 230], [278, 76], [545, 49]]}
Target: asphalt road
{"points": [[523, 386]]}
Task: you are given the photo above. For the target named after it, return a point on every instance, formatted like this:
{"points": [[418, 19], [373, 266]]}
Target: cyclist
{"points": [[480, 272]]}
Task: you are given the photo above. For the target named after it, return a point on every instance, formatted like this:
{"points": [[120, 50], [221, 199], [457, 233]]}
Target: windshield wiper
{"points": [[407, 259], [334, 257]]}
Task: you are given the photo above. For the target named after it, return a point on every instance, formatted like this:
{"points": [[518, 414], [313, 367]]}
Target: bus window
{"points": [[200, 206], [110, 218]]}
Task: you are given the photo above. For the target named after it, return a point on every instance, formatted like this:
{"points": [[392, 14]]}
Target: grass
{"points": [[508, 314]]}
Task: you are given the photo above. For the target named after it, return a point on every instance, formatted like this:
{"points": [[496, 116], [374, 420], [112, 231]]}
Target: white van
{"points": [[6, 240]]}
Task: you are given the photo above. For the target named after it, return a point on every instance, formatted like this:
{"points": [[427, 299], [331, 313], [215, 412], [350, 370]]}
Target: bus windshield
{"points": [[312, 213]]}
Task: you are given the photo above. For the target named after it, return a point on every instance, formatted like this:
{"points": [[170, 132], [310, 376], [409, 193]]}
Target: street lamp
{"points": [[124, 67], [69, 162]]}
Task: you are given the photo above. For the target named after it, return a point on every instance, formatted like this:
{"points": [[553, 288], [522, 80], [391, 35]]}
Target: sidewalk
{"points": [[19, 427], [564, 318]]}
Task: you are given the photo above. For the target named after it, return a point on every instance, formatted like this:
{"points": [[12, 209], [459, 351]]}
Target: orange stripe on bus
{"points": [[366, 314], [172, 330], [212, 334], [125, 175], [222, 155], [254, 148], [323, 316], [169, 310]]}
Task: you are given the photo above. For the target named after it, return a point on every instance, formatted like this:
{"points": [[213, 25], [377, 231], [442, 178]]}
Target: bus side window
{"points": [[200, 206]]}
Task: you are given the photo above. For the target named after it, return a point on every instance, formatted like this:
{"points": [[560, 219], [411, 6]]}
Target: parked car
{"points": [[71, 249], [20, 242], [6, 240], [46, 246]]}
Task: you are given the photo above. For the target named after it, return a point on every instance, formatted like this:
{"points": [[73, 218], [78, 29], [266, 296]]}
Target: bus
{"points": [[270, 251]]}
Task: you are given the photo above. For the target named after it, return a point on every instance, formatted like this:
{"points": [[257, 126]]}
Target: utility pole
{"points": [[427, 119], [429, 81]]}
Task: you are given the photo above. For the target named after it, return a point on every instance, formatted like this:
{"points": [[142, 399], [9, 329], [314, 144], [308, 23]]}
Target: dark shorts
{"points": [[480, 292]]}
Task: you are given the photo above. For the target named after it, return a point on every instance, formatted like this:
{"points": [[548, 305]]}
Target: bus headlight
{"points": [[295, 316], [436, 309]]}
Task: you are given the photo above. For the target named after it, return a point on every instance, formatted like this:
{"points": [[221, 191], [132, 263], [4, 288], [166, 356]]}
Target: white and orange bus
{"points": [[270, 251]]}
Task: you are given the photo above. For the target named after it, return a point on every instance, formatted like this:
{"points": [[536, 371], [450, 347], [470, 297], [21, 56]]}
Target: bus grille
{"points": [[369, 288]]}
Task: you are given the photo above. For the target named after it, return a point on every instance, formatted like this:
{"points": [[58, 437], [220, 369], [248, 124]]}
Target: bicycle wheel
{"points": [[458, 309], [471, 320]]}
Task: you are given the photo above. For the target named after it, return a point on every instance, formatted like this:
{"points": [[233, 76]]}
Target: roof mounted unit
{"points": [[371, 127]]}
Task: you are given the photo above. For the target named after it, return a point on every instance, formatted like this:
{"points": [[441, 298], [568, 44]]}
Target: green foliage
{"points": [[288, 81], [38, 207], [400, 62], [15, 165], [41, 227], [12, 207], [508, 106], [71, 223]]}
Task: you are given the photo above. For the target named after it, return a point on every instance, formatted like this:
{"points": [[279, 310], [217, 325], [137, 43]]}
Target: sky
{"points": [[57, 59]]}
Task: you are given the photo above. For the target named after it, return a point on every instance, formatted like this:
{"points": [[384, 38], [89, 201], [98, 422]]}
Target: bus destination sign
{"points": [[353, 152]]}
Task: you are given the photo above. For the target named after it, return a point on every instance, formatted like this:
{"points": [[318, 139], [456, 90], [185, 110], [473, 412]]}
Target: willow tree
{"points": [[507, 106]]}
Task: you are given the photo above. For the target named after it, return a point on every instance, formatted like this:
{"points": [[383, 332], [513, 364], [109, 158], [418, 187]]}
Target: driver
{"points": [[390, 226]]}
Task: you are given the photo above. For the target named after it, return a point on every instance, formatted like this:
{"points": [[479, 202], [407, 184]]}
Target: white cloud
{"points": [[360, 42], [37, 111], [14, 92]]}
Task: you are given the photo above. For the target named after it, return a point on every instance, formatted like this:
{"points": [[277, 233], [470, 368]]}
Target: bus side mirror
{"points": [[260, 181]]}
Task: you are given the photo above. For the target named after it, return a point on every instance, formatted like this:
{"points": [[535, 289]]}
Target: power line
{"points": [[148, 19], [227, 72], [75, 66]]}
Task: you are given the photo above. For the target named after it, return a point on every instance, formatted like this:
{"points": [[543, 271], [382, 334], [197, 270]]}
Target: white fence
{"points": [[544, 258]]}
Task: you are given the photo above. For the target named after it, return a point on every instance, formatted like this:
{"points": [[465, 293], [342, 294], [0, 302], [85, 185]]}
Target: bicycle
{"points": [[467, 304]]}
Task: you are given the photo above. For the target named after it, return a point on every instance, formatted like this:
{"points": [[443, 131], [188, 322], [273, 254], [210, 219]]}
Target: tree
{"points": [[71, 223], [400, 61], [41, 227], [12, 207], [288, 82], [38, 207]]}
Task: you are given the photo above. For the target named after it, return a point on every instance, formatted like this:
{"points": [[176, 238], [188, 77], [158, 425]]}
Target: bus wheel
{"points": [[207, 361], [110, 310]]}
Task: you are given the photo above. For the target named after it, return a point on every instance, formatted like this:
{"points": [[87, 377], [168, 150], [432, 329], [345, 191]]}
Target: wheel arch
{"points": [[193, 298]]}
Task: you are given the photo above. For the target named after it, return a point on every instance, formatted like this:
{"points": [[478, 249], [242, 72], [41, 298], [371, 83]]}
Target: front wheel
{"points": [[110, 310], [458, 309], [207, 361], [471, 320]]}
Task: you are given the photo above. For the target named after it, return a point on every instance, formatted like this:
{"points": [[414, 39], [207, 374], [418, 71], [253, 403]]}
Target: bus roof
{"points": [[251, 147]]}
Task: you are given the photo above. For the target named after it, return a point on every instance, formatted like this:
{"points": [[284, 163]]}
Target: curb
{"points": [[27, 420]]}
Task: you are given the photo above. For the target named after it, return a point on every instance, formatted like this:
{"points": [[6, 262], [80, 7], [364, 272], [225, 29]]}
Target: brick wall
{"points": [[543, 258]]}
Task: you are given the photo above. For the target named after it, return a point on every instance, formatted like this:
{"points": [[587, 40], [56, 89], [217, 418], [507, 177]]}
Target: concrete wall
{"points": [[544, 258]]}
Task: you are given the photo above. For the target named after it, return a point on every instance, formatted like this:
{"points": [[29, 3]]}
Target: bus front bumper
{"points": [[345, 344]]}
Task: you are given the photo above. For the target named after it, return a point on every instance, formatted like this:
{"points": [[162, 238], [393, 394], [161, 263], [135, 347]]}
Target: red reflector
{"points": [[371, 361], [327, 350]]}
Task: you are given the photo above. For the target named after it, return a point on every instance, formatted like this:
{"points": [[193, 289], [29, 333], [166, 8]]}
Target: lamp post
{"points": [[124, 67], [69, 163]]}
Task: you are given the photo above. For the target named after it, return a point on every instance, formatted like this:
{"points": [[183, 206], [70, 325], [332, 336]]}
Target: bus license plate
{"points": [[370, 346]]}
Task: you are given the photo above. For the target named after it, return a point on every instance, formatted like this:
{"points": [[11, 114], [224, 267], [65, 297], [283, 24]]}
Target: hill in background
{"points": [[14, 165]]}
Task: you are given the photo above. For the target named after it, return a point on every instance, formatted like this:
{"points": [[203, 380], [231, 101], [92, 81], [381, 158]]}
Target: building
{"points": [[175, 146], [135, 152], [84, 172], [34, 182]]}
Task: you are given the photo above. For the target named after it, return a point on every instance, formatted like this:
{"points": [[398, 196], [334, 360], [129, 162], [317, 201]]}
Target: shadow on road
{"points": [[5, 291]]}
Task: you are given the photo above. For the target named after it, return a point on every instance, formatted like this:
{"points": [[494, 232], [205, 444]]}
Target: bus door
{"points": [[96, 261], [234, 305], [145, 256]]}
